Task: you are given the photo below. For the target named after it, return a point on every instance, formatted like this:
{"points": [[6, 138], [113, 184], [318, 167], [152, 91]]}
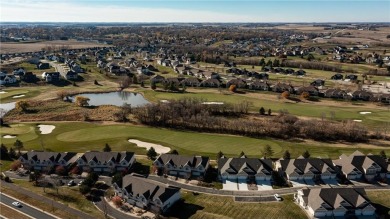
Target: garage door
{"points": [[320, 214], [195, 173], [172, 172]]}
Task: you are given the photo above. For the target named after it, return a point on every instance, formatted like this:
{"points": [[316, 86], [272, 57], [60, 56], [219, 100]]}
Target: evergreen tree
{"points": [[306, 154], [4, 152], [268, 152], [269, 112], [262, 62], [18, 145], [383, 154], [219, 155], [262, 111], [174, 152], [107, 148], [151, 153], [11, 153], [286, 155]]}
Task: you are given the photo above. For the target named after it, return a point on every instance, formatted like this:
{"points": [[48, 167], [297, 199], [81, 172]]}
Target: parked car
{"points": [[17, 204], [278, 197], [81, 182], [71, 183]]}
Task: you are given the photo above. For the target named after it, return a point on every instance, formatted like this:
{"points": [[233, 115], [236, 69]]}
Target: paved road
{"points": [[101, 204], [25, 208], [265, 193], [48, 201]]}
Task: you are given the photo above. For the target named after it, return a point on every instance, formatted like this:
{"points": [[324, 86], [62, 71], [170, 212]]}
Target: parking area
{"points": [[229, 185], [263, 185], [298, 183]]}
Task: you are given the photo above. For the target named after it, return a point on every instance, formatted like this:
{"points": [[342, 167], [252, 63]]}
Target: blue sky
{"points": [[195, 11]]}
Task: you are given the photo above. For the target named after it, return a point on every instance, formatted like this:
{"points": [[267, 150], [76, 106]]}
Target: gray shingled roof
{"points": [[248, 166], [359, 161], [137, 186], [334, 196], [46, 156], [105, 157], [304, 165], [180, 160]]}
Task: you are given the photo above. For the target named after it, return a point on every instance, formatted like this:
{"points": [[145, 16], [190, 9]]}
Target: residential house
{"points": [[318, 83], [337, 76], [300, 72], [191, 82], [181, 166], [259, 85], [43, 65], [362, 95], [7, 78], [106, 162], [281, 87], [306, 169], [147, 194], [71, 75], [313, 91], [336, 93], [157, 79], [51, 76], [29, 77], [248, 173], [47, 161], [238, 82], [361, 166], [383, 98], [351, 77], [210, 83], [335, 202], [18, 71]]}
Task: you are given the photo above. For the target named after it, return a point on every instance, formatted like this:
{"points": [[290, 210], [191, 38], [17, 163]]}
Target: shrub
{"points": [[305, 95], [117, 201], [22, 106], [16, 165], [60, 170], [285, 94], [82, 101], [233, 88]]}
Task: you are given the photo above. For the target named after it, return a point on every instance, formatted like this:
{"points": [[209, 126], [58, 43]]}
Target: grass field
{"points": [[26, 199], [380, 200], [81, 137], [207, 206], [66, 195]]}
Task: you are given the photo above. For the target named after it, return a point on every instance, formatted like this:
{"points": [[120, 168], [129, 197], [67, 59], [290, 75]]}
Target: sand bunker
{"points": [[159, 148], [364, 113], [46, 129], [3, 92], [9, 136], [18, 96], [357, 120], [212, 103], [164, 101]]}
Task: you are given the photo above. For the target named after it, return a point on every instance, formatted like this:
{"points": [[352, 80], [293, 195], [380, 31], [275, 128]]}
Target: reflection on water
{"points": [[7, 106], [114, 98]]}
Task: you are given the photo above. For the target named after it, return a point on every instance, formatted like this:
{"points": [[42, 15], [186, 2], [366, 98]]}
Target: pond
{"points": [[7, 106], [114, 98]]}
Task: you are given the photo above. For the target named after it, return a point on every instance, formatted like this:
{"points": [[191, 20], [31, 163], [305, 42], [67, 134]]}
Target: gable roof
{"points": [[180, 160], [137, 186], [359, 161], [244, 166], [52, 156], [306, 165], [104, 157], [355, 197]]}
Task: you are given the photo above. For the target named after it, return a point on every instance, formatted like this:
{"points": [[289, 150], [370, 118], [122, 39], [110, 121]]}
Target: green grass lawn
{"points": [[81, 137], [207, 206], [27, 92], [380, 200], [66, 195], [379, 117]]}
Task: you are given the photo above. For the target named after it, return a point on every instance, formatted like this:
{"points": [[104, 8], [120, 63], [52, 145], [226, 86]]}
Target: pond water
{"points": [[114, 98], [7, 106]]}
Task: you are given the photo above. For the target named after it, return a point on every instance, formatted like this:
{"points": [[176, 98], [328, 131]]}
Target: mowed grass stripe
{"points": [[81, 137]]}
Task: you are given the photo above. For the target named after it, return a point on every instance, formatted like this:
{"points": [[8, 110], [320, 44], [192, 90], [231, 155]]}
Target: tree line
{"points": [[193, 114]]}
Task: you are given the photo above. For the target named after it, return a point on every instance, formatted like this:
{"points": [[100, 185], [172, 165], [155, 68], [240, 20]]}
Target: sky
{"points": [[194, 11]]}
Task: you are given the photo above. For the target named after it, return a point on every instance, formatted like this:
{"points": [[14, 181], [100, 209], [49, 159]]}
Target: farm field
{"points": [[207, 206], [20, 47], [82, 136]]}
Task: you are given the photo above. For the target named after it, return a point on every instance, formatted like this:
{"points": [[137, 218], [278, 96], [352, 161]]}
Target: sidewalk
{"points": [[48, 201]]}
